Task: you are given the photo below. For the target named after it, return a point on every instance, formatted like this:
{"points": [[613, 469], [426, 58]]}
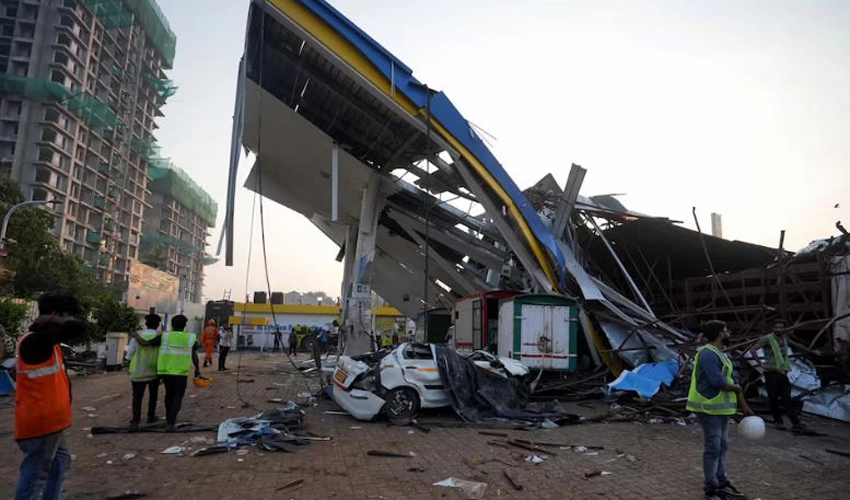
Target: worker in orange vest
{"points": [[43, 397], [208, 339]]}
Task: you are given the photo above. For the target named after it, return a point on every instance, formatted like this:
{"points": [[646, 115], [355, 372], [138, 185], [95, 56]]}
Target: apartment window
{"points": [[48, 135], [26, 31], [12, 11], [44, 176], [19, 68], [39, 194], [58, 77], [29, 12], [9, 129], [64, 39], [75, 190], [71, 210], [46, 155], [61, 58]]}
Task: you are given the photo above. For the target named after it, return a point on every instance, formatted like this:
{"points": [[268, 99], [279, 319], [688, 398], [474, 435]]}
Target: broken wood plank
{"points": [[379, 453], [290, 484], [514, 483]]}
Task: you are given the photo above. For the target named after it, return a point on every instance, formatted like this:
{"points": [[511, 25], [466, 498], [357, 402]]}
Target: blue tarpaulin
{"points": [[647, 378], [7, 386]]}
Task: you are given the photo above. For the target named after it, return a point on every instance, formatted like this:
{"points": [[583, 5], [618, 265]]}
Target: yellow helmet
{"points": [[202, 382]]}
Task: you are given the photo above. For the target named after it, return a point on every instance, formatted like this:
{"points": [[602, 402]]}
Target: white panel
{"points": [[536, 322], [506, 329], [463, 325], [560, 337]]}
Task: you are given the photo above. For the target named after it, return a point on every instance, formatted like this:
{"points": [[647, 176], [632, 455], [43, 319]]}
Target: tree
{"points": [[111, 315], [12, 316]]}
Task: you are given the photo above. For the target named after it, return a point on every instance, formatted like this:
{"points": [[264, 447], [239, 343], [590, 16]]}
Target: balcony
{"points": [[93, 237], [99, 202]]}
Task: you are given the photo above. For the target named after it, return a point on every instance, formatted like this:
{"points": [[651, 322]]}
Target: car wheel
{"points": [[307, 344], [401, 402]]}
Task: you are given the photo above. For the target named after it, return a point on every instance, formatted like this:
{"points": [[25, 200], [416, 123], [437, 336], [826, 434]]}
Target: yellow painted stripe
{"points": [[427, 369], [345, 50], [286, 309]]}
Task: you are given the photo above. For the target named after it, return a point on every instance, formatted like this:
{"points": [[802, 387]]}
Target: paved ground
{"points": [[645, 461]]}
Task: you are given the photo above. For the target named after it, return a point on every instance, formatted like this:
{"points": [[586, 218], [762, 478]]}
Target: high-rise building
{"points": [[176, 226], [81, 83]]}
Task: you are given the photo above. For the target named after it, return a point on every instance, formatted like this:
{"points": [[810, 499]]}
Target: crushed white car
{"points": [[401, 381]]}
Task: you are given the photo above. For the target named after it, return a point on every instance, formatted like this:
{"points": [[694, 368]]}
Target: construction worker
{"points": [[225, 342], [714, 397], [176, 355], [386, 341], [776, 365], [208, 339], [293, 342], [143, 369], [43, 398]]}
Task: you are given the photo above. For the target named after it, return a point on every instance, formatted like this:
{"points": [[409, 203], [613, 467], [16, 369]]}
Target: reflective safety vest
{"points": [[143, 364], [780, 360], [42, 397], [175, 353], [725, 403]]}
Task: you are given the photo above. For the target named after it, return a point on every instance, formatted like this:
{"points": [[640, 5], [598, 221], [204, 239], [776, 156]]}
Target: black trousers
{"points": [[139, 393], [175, 389], [293, 349], [222, 356], [779, 396]]}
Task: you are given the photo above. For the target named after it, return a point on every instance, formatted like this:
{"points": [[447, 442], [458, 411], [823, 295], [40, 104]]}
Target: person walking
{"points": [[225, 342], [43, 398], [208, 339], [776, 365], [143, 353], [714, 396], [177, 354], [293, 343]]}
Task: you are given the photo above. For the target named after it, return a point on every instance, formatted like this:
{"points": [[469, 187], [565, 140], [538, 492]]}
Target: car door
{"points": [[420, 370]]}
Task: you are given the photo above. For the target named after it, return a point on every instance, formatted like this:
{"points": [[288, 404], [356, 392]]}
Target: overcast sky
{"points": [[740, 108]]}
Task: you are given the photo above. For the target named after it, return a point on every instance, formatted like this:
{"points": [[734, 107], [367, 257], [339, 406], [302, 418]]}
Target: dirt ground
{"points": [[645, 461]]}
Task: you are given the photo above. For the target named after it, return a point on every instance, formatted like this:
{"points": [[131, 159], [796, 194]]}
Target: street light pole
{"points": [[9, 215]]}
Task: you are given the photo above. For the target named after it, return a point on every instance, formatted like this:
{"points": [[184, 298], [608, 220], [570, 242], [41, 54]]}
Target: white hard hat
{"points": [[751, 427]]}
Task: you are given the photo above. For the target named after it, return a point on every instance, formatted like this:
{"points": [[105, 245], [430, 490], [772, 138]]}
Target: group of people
{"points": [[714, 396], [43, 392], [213, 336], [43, 396]]}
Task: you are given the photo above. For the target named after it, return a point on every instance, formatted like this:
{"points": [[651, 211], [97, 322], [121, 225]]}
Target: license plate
{"points": [[340, 376]]}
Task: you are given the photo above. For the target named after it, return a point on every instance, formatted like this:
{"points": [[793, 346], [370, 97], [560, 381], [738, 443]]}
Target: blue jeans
{"points": [[714, 430], [46, 461]]}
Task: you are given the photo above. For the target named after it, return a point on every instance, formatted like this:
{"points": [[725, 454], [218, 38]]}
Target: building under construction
{"points": [[176, 226], [81, 84]]}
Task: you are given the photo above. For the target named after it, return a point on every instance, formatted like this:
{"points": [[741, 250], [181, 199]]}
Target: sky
{"points": [[739, 108]]}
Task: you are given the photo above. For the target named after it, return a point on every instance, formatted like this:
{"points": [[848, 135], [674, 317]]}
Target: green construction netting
{"points": [[149, 241], [120, 13], [167, 178], [111, 13], [88, 108], [150, 244], [165, 88]]}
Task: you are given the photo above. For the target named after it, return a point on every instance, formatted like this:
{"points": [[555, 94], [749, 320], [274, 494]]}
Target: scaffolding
{"points": [[92, 111], [167, 178], [146, 13]]}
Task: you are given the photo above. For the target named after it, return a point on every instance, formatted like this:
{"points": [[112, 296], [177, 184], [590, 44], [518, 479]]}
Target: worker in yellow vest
{"points": [[776, 365], [177, 354], [714, 397], [143, 369], [43, 397]]}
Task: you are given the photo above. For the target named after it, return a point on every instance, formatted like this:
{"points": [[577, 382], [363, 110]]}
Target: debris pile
{"points": [[279, 429]]}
